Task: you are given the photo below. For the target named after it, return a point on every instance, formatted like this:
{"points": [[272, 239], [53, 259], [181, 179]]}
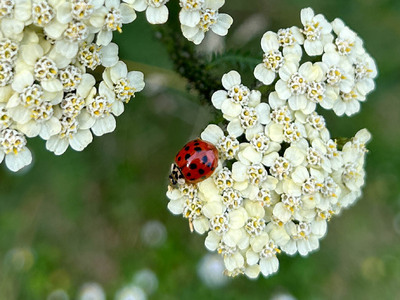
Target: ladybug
{"points": [[195, 162]]}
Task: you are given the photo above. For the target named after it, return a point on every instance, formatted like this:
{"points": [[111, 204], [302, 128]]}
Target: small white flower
{"points": [[263, 251], [97, 115], [193, 210], [255, 224], [91, 55], [281, 167], [70, 135], [5, 120], [123, 84], [317, 32], [27, 98], [291, 40], [223, 179], [250, 120], [348, 103], [228, 226], [13, 15], [233, 259], [303, 239], [77, 9], [228, 146], [347, 43], [190, 13], [273, 59], [330, 192], [235, 97], [70, 78], [333, 154], [6, 72], [43, 122], [317, 156], [156, 10], [210, 19], [315, 126], [8, 50], [304, 87], [339, 73], [73, 102], [281, 113], [249, 177], [289, 205], [42, 13], [6, 8], [110, 18], [289, 132], [46, 71], [317, 93], [364, 72], [13, 148], [242, 107], [353, 160], [74, 34], [259, 147], [292, 85]]}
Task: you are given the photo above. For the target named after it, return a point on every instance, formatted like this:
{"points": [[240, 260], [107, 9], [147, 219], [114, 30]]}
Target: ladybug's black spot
{"points": [[212, 169], [197, 149], [201, 171], [197, 143], [204, 159], [192, 179], [187, 156], [179, 158], [209, 165], [187, 148], [192, 166], [204, 177], [188, 174]]}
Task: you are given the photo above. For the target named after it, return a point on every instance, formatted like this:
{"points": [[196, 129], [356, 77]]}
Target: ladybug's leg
{"points": [[181, 179], [191, 225], [172, 176], [176, 176]]}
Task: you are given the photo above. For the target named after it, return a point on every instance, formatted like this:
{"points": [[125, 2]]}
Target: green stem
{"points": [[187, 62], [236, 58]]}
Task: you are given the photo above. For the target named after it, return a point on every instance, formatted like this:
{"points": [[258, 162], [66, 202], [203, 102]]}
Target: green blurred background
{"points": [[100, 215]]}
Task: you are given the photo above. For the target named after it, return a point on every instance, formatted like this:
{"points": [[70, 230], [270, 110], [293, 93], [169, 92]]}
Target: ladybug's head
{"points": [[176, 176]]}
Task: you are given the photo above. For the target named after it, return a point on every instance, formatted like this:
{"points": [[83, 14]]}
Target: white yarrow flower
{"points": [[196, 22], [13, 148], [47, 51], [156, 10], [123, 84], [274, 59], [316, 31], [281, 177], [110, 18]]}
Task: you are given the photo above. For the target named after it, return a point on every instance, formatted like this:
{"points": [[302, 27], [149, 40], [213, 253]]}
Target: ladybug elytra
{"points": [[195, 162]]}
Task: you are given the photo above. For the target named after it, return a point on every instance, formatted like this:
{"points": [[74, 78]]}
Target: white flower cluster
{"points": [[196, 16], [340, 80], [281, 176], [48, 53], [199, 16]]}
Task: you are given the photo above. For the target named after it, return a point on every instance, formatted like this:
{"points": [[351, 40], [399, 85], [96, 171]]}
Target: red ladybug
{"points": [[195, 162]]}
